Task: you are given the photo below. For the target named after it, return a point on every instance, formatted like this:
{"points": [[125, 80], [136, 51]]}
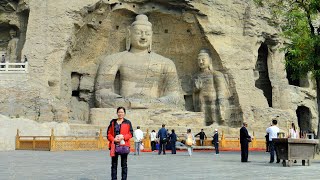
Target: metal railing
{"points": [[14, 67]]}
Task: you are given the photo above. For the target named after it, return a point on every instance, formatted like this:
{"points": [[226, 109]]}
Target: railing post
{"points": [[17, 140], [26, 66], [254, 141], [34, 143], [7, 66], [52, 141], [223, 141], [147, 142], [100, 141]]}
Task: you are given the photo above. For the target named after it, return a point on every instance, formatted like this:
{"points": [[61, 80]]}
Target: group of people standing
{"points": [[272, 132], [120, 131], [245, 139]]}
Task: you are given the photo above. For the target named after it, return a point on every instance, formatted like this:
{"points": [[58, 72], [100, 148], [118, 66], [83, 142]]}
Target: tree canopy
{"points": [[298, 22]]}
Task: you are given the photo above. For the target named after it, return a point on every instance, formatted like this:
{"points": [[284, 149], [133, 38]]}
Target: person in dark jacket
{"points": [[267, 142], [202, 136], [162, 135], [216, 141], [119, 132], [244, 141], [173, 139]]}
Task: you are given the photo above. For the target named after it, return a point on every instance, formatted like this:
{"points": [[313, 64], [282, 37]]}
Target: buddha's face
{"points": [[203, 61], [12, 33], [141, 36]]}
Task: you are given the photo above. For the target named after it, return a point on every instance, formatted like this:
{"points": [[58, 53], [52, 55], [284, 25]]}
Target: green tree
{"points": [[297, 20]]}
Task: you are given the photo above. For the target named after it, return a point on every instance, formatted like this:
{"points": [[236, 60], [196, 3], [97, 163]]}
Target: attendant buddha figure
{"points": [[210, 94], [137, 77], [12, 47]]}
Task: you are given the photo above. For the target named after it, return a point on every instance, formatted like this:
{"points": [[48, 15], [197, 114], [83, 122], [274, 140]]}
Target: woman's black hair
{"points": [[124, 109], [293, 126]]}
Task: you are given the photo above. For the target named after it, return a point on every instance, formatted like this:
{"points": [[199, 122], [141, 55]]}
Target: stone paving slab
{"points": [[95, 165]]}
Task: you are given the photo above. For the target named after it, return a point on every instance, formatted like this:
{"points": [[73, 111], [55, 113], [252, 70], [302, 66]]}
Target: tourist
{"points": [[168, 145], [153, 138], [244, 141], [3, 60], [267, 141], [293, 134], [138, 136], [292, 131], [190, 140], [162, 135], [202, 136], [273, 133], [173, 139], [216, 141], [119, 134]]}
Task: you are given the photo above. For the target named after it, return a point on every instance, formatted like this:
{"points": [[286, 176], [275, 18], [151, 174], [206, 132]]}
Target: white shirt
{"points": [[138, 135], [293, 133], [153, 136], [273, 132]]}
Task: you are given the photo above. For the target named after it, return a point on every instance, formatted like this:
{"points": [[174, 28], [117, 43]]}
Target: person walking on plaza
{"points": [[273, 133], [244, 141], [138, 136], [153, 138], [173, 139], [202, 137], [162, 135], [119, 133], [216, 141], [190, 140]]}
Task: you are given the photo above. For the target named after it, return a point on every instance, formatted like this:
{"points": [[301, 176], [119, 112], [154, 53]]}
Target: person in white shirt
{"points": [[293, 132], [273, 133], [153, 138], [138, 136]]}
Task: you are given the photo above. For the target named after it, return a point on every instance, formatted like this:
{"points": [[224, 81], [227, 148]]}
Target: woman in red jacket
{"points": [[119, 134]]}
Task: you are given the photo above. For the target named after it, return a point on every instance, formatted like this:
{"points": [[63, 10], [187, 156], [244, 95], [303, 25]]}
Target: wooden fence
{"points": [[73, 143]]}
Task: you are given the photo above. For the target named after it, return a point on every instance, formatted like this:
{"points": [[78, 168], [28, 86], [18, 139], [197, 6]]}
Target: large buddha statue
{"points": [[211, 93], [137, 77]]}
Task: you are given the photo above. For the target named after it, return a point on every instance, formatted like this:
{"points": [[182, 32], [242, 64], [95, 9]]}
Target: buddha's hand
{"points": [[107, 99], [198, 83]]}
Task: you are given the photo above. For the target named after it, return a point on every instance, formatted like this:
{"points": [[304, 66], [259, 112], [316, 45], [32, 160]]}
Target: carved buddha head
{"points": [[204, 60], [13, 33], [140, 33]]}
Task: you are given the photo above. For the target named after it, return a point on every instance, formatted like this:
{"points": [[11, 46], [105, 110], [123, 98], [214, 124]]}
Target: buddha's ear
{"points": [[128, 39], [150, 46], [149, 49]]}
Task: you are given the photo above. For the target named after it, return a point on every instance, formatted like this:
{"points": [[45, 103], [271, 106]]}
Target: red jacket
{"points": [[125, 129]]}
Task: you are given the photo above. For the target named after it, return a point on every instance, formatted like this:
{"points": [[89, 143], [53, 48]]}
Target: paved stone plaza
{"points": [[95, 165]]}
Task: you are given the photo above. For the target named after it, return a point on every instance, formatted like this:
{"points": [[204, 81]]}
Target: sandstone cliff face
{"points": [[64, 41]]}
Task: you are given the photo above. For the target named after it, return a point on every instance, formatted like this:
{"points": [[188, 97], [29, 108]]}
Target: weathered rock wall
{"points": [[64, 41]]}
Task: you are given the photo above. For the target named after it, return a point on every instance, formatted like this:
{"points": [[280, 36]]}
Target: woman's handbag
{"points": [[141, 146], [189, 141], [122, 149]]}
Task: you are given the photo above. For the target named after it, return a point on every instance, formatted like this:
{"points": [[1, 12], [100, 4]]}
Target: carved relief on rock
{"points": [[210, 92]]}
